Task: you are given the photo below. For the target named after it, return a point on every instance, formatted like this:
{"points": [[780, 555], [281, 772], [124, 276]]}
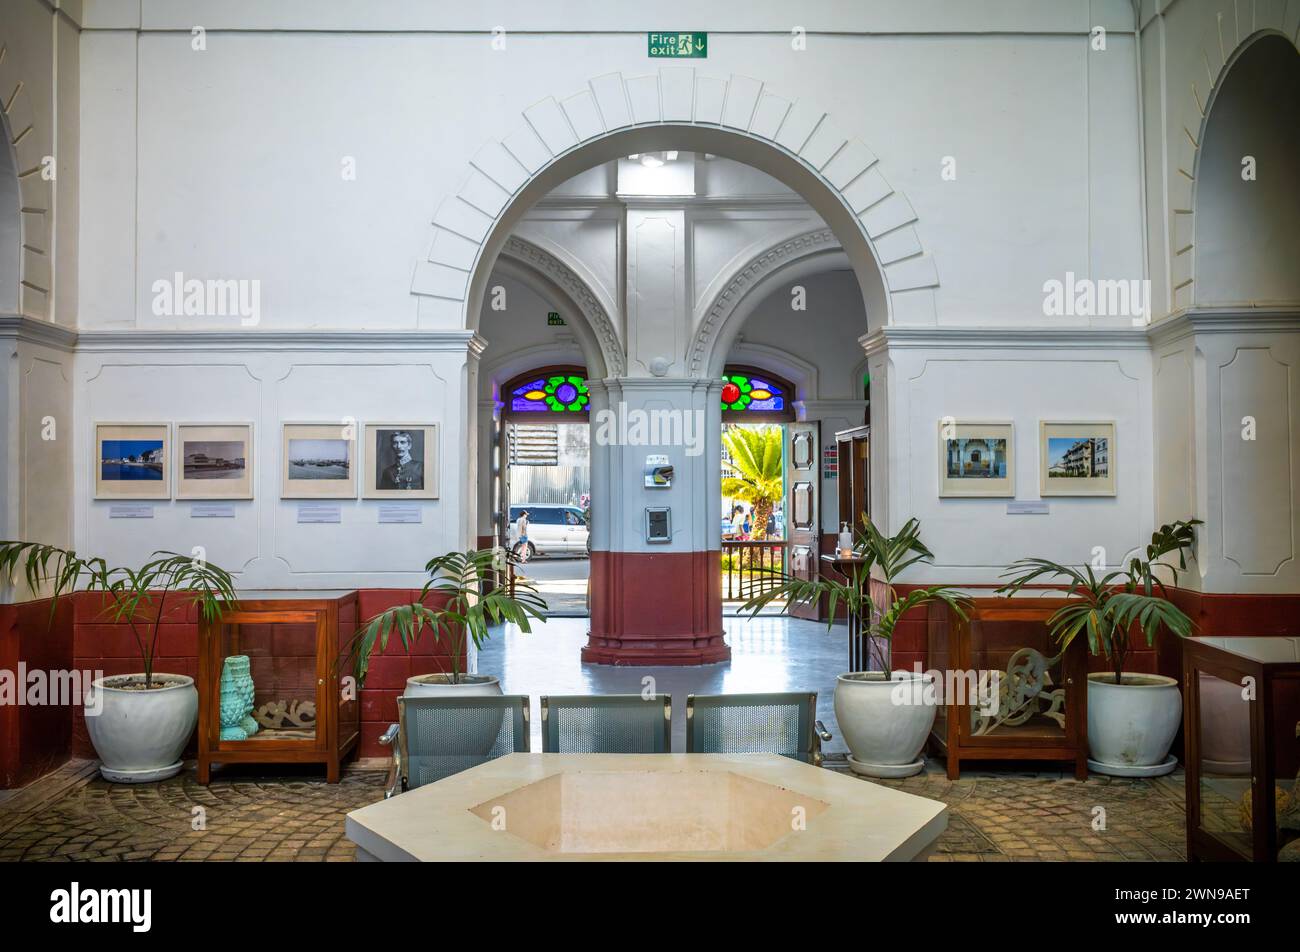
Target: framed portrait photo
{"points": [[214, 461], [1076, 459], [401, 461], [133, 461], [976, 459], [318, 461]]}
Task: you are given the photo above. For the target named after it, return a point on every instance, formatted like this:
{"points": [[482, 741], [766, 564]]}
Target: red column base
{"points": [[656, 608], [635, 652]]}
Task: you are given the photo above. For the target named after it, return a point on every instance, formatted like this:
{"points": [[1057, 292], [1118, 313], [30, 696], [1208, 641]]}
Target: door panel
{"points": [[803, 506]]}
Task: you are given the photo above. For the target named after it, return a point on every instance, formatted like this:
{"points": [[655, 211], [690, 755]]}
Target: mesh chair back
{"points": [[441, 736], [753, 724], [607, 724]]}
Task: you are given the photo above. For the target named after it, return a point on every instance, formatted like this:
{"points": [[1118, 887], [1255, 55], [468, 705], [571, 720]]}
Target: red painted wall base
{"points": [[651, 608]]}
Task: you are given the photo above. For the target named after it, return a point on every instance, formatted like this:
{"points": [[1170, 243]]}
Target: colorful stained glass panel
{"points": [[559, 393]]}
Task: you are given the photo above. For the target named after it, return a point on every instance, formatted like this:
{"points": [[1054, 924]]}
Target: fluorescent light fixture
{"points": [[651, 161], [671, 156]]}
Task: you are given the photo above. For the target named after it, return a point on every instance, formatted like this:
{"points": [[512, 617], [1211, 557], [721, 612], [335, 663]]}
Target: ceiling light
{"points": [[671, 156], [651, 161]]}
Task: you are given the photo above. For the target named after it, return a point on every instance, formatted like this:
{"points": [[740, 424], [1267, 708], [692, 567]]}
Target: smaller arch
{"points": [[754, 388], [25, 279], [720, 321], [1223, 41], [556, 394]]}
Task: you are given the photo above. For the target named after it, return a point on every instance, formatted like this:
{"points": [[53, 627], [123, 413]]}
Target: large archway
{"points": [[739, 118]]}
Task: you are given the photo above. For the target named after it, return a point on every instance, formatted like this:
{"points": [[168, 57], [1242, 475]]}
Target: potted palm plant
{"points": [[1132, 718], [459, 602], [885, 715], [140, 722]]}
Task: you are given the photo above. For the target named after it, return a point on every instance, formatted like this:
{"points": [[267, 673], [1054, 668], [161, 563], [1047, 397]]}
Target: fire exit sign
{"points": [[553, 319], [678, 45]]}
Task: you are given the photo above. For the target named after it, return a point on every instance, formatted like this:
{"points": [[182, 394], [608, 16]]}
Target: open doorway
{"points": [[544, 486], [755, 545]]}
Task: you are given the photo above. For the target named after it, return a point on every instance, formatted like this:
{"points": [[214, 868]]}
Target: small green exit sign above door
{"points": [[553, 319], [678, 45]]}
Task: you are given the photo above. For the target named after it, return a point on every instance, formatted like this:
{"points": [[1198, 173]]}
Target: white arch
{"points": [[794, 141], [1229, 29], [30, 273]]}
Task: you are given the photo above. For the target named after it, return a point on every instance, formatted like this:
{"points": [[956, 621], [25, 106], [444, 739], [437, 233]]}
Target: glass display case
{"points": [[1241, 727], [1007, 691], [273, 684]]}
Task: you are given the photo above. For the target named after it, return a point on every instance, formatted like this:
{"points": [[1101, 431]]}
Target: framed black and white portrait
{"points": [[401, 461]]}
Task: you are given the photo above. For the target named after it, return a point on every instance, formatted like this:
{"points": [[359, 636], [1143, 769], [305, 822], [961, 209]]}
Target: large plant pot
{"points": [[1225, 727], [1131, 725], [885, 722], [476, 728], [139, 734]]}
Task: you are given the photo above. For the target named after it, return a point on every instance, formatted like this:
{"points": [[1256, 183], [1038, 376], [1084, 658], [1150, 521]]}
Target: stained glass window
{"points": [[558, 393], [743, 391]]}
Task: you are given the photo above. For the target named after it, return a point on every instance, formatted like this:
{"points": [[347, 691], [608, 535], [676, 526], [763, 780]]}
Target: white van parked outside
{"points": [[553, 529]]}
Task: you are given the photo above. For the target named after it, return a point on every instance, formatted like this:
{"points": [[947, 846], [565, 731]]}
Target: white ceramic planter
{"points": [[439, 685], [139, 735], [477, 728], [885, 722], [1131, 725], [1225, 727]]}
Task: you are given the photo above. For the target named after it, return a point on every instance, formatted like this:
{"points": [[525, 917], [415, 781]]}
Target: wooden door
{"points": [[803, 509]]}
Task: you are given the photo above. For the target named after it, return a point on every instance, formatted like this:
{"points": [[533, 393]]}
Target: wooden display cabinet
{"points": [[294, 642], [1041, 713], [1241, 731]]}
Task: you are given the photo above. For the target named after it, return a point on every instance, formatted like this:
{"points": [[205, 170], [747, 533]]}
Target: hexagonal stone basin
{"points": [[699, 807], [643, 811]]}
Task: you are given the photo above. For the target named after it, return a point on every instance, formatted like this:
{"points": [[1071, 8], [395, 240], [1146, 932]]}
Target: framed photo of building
{"points": [[401, 461], [132, 461], [1076, 459], [976, 459], [214, 461], [318, 461]]}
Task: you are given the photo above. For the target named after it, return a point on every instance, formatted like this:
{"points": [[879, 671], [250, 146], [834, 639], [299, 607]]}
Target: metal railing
{"points": [[751, 568]]}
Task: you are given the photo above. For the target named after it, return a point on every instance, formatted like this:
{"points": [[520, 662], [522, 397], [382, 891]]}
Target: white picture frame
{"points": [[977, 459], [210, 473], [1070, 455], [126, 457], [379, 460], [310, 466]]}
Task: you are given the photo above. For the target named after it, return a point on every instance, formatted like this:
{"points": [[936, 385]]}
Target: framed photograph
{"points": [[401, 461], [976, 459], [1076, 459], [132, 461], [319, 461], [214, 461]]}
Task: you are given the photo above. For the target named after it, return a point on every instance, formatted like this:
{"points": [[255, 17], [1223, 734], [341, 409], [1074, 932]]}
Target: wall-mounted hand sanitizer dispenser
{"points": [[658, 524]]}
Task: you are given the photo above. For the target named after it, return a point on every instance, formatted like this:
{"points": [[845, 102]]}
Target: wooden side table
{"points": [[1241, 715], [859, 649], [303, 709]]}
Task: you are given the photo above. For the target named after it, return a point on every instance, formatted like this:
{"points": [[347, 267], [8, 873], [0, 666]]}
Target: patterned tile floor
{"points": [[996, 815]]}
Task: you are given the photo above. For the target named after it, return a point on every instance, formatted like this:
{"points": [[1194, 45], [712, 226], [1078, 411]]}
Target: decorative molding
{"points": [[26, 330], [135, 341], [1189, 321], [728, 299], [597, 317], [1004, 338], [673, 97]]}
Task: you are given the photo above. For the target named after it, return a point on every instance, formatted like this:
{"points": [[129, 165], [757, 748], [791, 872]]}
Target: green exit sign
{"points": [[678, 45], [553, 319]]}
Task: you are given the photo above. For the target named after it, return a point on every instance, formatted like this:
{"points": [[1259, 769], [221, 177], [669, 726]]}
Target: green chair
{"points": [[440, 736], [607, 724], [782, 724]]}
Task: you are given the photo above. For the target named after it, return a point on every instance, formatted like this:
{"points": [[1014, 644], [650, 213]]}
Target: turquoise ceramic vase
{"points": [[237, 699]]}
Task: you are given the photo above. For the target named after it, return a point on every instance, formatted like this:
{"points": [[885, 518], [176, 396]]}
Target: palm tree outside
{"points": [[753, 470]]}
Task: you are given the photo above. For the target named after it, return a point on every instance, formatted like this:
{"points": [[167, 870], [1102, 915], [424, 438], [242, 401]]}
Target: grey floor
{"points": [[767, 654]]}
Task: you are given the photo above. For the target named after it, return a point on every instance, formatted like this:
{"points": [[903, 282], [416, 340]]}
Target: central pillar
{"points": [[656, 603]]}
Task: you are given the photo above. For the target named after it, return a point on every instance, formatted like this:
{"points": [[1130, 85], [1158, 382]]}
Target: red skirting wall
{"points": [[656, 608]]}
